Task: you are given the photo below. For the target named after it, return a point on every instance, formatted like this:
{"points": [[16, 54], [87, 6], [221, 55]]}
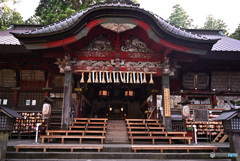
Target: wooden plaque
{"points": [[167, 108]]}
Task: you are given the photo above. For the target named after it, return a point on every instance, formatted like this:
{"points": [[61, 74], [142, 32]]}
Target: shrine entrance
{"points": [[116, 55]]}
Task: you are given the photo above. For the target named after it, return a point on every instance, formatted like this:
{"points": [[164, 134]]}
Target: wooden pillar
{"points": [[78, 104], [3, 144], [67, 99], [167, 121]]}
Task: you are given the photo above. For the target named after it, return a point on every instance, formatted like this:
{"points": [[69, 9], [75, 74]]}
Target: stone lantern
{"points": [[231, 125], [7, 119]]}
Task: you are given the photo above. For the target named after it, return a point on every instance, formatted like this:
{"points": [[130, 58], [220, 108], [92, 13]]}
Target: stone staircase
{"points": [[116, 132]]}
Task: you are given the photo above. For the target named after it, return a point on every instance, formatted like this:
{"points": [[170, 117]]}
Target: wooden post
{"points": [[167, 121], [3, 146], [78, 104], [67, 99]]}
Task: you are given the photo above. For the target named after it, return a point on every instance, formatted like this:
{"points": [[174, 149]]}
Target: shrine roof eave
{"points": [[75, 23]]}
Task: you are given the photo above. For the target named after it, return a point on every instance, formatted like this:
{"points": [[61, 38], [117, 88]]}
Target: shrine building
{"points": [[117, 61]]}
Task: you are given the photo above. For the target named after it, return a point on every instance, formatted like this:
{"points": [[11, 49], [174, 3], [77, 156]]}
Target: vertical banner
{"points": [[167, 108]]}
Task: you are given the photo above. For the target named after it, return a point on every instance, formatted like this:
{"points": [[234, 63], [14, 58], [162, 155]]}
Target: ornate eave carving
{"points": [[134, 44], [101, 43], [118, 27]]}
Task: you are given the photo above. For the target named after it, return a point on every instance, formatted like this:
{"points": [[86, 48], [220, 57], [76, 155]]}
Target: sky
{"points": [[198, 10]]}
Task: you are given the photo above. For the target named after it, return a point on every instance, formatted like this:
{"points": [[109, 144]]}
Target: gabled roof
{"points": [[6, 38], [224, 44], [227, 115], [72, 20], [10, 112]]}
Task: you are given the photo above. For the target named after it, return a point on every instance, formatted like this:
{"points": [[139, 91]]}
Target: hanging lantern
{"points": [[89, 78], [151, 79], [82, 79]]}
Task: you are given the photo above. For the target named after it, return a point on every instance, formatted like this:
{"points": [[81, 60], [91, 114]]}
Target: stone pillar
{"points": [[234, 141], [167, 121], [3, 144], [67, 99]]}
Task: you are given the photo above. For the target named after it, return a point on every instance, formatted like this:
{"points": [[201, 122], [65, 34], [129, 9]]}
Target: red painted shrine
{"points": [[116, 61]]}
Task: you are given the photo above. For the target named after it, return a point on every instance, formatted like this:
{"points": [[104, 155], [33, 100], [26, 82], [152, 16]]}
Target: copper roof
{"points": [[70, 21]]}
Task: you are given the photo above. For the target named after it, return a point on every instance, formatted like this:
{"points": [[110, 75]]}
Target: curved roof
{"points": [[72, 20]]}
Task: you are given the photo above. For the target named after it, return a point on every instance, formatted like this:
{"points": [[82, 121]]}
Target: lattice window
{"points": [[3, 121]]}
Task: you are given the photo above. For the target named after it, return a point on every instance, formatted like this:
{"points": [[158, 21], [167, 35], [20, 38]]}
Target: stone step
{"points": [[60, 156]]}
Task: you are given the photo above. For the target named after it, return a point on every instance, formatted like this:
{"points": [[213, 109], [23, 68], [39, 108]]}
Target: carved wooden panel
{"points": [[39, 75], [188, 81], [202, 81], [8, 78], [58, 81], [192, 80], [222, 81], [32, 75]]}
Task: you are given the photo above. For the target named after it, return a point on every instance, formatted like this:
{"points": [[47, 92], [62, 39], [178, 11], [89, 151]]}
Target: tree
{"points": [[51, 11], [8, 17], [180, 18], [236, 34], [215, 24], [36, 20]]}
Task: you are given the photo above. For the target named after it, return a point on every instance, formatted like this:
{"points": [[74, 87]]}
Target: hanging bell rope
{"points": [[82, 79], [141, 78], [137, 81], [144, 78], [124, 81], [131, 80], [103, 78], [110, 77], [96, 80], [151, 79], [117, 79], [89, 78]]}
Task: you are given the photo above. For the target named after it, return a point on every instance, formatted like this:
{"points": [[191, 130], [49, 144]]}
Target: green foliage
{"points": [[180, 18], [8, 17], [215, 24], [236, 34], [34, 20], [50, 11]]}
